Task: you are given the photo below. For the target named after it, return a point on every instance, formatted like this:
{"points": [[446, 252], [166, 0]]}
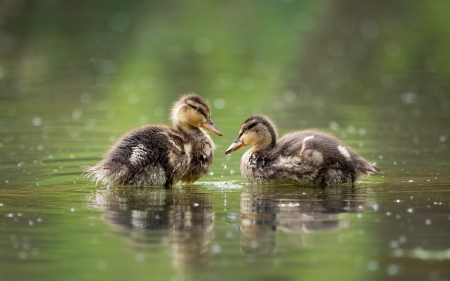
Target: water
{"points": [[74, 78]]}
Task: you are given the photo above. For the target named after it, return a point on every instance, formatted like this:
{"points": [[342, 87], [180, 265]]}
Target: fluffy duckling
{"points": [[162, 155], [303, 157]]}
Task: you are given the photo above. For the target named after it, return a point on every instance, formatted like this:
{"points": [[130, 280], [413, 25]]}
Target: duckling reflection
{"points": [[187, 216], [264, 210]]}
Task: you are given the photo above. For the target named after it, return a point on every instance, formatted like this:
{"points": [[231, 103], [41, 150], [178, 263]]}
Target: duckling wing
{"points": [[324, 158], [150, 155]]}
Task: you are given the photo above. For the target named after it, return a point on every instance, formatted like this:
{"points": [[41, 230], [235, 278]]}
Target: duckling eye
{"points": [[245, 129], [198, 109]]}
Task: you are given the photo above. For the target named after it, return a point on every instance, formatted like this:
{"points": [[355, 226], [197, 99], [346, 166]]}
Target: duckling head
{"points": [[257, 131], [193, 111]]}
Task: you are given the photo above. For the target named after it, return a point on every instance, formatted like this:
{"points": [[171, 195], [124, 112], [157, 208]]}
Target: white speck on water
{"points": [[427, 221], [203, 46], [157, 217], [86, 97], [1, 204], [231, 172], [290, 96], [133, 98], [277, 262], [375, 207], [19, 214], [402, 239], [72, 209], [410, 210], [410, 181], [229, 234], [393, 244], [362, 131], [30, 223], [393, 269], [388, 213], [77, 113], [333, 125], [11, 215], [23, 255], [37, 121], [216, 248], [159, 111], [409, 98], [211, 173], [101, 265], [224, 167], [359, 216], [139, 257], [442, 138], [195, 204], [398, 201], [372, 265], [369, 29], [398, 253], [219, 103]]}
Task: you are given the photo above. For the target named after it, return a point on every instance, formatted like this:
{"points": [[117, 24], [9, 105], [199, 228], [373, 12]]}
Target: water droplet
{"points": [[37, 121], [139, 257], [393, 244], [427, 221], [133, 98], [216, 248], [372, 265], [203, 46], [393, 269], [369, 29], [219, 103]]}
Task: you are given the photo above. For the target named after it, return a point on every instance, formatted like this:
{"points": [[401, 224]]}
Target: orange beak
{"points": [[209, 125], [235, 146]]}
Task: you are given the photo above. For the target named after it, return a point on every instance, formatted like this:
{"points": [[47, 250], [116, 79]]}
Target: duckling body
{"points": [[162, 155], [304, 157]]}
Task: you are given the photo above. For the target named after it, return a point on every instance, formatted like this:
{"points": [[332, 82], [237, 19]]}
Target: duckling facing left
{"points": [[302, 157], [162, 155]]}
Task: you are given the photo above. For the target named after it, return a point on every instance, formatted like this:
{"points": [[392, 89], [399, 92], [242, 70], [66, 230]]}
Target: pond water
{"points": [[75, 76]]}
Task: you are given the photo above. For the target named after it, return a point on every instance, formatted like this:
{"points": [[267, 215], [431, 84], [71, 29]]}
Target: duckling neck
{"points": [[189, 130], [263, 148]]}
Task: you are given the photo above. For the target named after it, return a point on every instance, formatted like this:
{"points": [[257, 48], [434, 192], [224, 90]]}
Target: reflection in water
{"points": [[302, 210], [188, 217]]}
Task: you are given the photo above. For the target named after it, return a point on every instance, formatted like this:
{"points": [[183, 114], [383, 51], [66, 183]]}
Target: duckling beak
{"points": [[235, 146], [209, 125]]}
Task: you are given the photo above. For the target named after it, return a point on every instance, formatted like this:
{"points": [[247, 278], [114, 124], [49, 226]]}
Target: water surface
{"points": [[74, 78]]}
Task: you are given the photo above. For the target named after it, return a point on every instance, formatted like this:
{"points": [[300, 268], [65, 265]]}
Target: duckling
{"points": [[162, 155], [303, 157]]}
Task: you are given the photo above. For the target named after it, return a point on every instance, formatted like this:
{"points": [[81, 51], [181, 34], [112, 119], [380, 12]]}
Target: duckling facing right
{"points": [[162, 155], [303, 157]]}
